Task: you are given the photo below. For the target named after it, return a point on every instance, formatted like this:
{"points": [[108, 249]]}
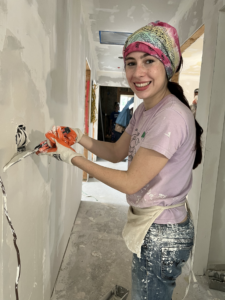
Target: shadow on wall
{"points": [[40, 189], [59, 100], [57, 80]]}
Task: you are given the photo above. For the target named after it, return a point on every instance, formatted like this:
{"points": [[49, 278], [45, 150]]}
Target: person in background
{"points": [[123, 120], [194, 103], [113, 116]]}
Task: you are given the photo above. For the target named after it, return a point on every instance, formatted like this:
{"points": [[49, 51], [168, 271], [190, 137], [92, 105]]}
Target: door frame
{"points": [[87, 111]]}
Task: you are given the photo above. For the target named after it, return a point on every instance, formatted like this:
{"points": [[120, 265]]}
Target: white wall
{"points": [[43, 50], [210, 114], [217, 241]]}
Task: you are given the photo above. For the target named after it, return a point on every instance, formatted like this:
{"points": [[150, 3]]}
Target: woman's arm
{"points": [[145, 165], [113, 152]]}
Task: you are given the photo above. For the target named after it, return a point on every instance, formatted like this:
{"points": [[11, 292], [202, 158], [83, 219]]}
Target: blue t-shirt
{"points": [[114, 116]]}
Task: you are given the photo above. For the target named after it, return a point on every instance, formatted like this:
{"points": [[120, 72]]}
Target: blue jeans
{"points": [[115, 136], [165, 250]]}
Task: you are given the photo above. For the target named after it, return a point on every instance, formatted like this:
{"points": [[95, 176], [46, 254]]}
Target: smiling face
{"points": [[147, 78]]}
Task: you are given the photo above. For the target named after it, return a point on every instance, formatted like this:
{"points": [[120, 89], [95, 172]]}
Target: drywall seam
{"points": [[147, 13], [112, 11], [90, 37], [31, 53], [182, 9], [221, 20], [201, 192], [3, 22], [130, 13]]}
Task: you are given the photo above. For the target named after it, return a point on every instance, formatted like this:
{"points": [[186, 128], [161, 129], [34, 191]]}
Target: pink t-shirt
{"points": [[168, 128]]}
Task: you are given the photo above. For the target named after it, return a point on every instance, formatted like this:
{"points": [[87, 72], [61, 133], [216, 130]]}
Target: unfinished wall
{"points": [[217, 242], [43, 49], [210, 114]]}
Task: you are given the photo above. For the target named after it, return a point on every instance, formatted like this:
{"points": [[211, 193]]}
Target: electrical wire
{"points": [[14, 238], [87, 195]]}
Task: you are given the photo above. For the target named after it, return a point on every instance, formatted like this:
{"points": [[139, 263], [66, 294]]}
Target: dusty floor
{"points": [[97, 258]]}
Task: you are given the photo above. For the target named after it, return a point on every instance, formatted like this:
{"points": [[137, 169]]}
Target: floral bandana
{"points": [[160, 40]]}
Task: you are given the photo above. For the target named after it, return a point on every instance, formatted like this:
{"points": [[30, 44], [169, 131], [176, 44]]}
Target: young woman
{"points": [[163, 145]]}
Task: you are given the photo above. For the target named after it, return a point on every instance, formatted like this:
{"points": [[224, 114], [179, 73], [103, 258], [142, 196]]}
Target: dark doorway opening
{"points": [[108, 97]]}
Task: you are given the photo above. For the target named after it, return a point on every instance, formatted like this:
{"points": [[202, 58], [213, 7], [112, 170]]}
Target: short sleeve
{"points": [[167, 133], [131, 125]]}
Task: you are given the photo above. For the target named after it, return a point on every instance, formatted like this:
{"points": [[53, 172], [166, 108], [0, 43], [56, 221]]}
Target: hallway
{"points": [[97, 259]]}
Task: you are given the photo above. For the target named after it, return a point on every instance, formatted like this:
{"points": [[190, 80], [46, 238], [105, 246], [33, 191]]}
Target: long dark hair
{"points": [[177, 90]]}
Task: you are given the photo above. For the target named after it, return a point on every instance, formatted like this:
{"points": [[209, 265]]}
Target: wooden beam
{"points": [[193, 38], [186, 45]]}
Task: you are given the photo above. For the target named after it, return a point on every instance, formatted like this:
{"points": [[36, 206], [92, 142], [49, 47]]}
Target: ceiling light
{"points": [[113, 38]]}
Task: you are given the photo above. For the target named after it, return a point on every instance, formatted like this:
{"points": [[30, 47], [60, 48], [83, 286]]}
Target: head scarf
{"points": [[160, 40]]}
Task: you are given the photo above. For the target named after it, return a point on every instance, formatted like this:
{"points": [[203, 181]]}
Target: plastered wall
{"points": [[210, 114], [43, 51], [217, 242]]}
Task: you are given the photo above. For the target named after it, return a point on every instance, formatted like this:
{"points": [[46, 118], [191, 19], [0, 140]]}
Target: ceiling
{"points": [[121, 16]]}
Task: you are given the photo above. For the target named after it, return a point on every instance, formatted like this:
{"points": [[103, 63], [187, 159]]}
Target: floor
{"points": [[97, 259]]}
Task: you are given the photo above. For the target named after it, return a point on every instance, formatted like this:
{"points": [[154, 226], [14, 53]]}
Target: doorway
{"points": [[189, 77], [108, 97]]}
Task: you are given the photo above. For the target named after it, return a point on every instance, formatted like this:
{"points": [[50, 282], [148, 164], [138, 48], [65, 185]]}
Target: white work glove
{"points": [[63, 152], [78, 132]]}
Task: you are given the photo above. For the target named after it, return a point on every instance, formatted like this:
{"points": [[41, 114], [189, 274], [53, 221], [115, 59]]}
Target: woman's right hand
{"points": [[77, 131], [79, 134]]}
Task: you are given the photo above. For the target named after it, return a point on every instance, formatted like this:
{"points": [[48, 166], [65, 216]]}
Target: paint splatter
{"points": [[161, 196], [130, 12], [112, 19], [96, 254], [147, 13], [168, 134]]}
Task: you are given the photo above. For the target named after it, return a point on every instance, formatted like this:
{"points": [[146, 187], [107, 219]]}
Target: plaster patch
{"points": [[108, 81], [112, 11], [130, 12], [147, 13], [112, 19], [193, 27], [81, 295], [96, 254], [3, 22]]}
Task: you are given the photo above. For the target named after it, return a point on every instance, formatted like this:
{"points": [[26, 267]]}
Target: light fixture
{"points": [[113, 38]]}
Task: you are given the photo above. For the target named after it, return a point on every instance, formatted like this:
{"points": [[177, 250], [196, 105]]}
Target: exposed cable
{"points": [[21, 138], [14, 238]]}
